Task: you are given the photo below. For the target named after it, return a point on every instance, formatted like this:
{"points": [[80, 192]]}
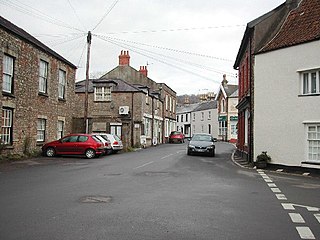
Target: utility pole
{"points": [[89, 37]]}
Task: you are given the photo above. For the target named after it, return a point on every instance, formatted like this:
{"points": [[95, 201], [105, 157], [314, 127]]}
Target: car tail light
{"points": [[106, 144], [115, 143]]}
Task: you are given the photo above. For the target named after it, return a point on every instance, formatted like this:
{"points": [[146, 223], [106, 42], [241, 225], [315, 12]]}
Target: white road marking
{"points": [[288, 206], [268, 180], [281, 197], [143, 165], [306, 174], [279, 170], [167, 156], [296, 218], [275, 190], [317, 215], [305, 233], [272, 185]]}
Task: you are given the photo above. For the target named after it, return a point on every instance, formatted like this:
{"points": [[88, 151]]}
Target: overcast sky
{"points": [[186, 44]]}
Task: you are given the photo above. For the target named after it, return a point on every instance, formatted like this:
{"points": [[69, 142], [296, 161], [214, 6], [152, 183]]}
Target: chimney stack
{"points": [[143, 70], [124, 58], [224, 81]]}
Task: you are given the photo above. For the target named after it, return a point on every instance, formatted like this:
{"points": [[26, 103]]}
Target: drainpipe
{"points": [[251, 105], [152, 122], [132, 121]]}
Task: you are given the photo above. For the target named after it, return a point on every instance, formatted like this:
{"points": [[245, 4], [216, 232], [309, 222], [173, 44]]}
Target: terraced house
{"points": [[37, 91], [126, 102]]}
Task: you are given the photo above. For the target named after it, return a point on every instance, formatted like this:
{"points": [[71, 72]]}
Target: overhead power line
{"points": [[31, 11], [123, 45], [106, 14], [76, 14], [169, 49], [179, 29]]}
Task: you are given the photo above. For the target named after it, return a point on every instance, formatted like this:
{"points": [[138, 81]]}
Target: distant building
{"points": [[37, 99], [227, 100], [198, 118]]}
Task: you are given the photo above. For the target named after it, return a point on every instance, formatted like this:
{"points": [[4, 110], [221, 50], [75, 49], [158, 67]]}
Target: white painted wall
{"points": [[201, 124], [279, 113]]}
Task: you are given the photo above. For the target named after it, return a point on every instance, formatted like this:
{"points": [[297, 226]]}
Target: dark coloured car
{"points": [[74, 144], [202, 144], [176, 136]]}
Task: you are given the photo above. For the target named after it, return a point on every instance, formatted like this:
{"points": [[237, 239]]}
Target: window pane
{"points": [[43, 76], [62, 82], [7, 74], [313, 82], [305, 83]]}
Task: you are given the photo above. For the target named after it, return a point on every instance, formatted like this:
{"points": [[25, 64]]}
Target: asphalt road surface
{"points": [[155, 193]]}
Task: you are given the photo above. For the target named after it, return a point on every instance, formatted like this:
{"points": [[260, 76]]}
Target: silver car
{"points": [[115, 141]]}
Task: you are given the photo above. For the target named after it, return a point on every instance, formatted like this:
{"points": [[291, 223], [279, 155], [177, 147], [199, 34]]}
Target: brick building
{"points": [[126, 102], [37, 91]]}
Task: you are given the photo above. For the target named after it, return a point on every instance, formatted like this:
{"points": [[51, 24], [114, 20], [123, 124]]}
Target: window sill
{"points": [[309, 95], [8, 94], [43, 94], [311, 163]]}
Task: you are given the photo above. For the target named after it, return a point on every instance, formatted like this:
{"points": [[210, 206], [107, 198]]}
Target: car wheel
{"points": [[213, 154], [189, 153], [90, 153], [50, 152]]}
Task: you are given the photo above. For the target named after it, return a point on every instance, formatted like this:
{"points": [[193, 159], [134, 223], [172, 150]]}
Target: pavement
{"points": [[310, 172]]}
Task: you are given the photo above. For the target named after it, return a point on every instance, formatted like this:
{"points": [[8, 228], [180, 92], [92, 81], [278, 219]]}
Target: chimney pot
{"points": [[124, 58]]}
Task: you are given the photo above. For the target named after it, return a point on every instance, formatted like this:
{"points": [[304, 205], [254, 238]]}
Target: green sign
{"points": [[222, 118], [233, 118]]}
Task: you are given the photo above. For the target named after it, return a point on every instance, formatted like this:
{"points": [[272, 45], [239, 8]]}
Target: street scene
{"points": [[159, 119], [155, 193]]}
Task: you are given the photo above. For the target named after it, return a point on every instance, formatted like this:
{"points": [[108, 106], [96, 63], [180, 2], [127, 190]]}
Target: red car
{"points": [[176, 136], [75, 144]]}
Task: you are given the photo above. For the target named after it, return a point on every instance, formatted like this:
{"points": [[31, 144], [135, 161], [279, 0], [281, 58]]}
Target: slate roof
{"points": [[119, 85], [302, 25], [19, 32], [187, 108], [230, 89], [206, 106]]}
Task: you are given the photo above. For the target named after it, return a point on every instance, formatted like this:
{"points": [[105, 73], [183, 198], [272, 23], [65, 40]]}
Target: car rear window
{"points": [[96, 139], [82, 139], [175, 133]]}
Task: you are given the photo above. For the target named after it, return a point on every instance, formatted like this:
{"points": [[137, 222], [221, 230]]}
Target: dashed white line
{"points": [[272, 185], [167, 156], [143, 165], [288, 206], [305, 233], [268, 180], [296, 218], [275, 190], [281, 197], [317, 216]]}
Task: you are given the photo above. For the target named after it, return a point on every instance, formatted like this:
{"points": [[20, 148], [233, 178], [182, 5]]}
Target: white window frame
{"points": [[222, 128], [102, 94], [202, 116], [60, 129], [7, 73], [147, 127], [62, 84], [167, 100], [43, 76], [310, 82], [209, 115], [41, 129], [6, 126], [313, 143]]}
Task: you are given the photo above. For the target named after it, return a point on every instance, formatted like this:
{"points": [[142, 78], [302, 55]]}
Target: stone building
{"points": [[37, 91], [126, 102]]}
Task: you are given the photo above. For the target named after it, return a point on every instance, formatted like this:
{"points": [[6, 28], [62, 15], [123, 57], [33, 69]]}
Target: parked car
{"points": [[201, 143], [116, 143], [176, 136], [105, 141], [75, 144]]}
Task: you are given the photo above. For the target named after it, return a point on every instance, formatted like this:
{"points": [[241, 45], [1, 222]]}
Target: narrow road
{"points": [[155, 193]]}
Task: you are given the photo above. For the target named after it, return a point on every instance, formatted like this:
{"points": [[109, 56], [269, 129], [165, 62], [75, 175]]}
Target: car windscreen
{"points": [[204, 138]]}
